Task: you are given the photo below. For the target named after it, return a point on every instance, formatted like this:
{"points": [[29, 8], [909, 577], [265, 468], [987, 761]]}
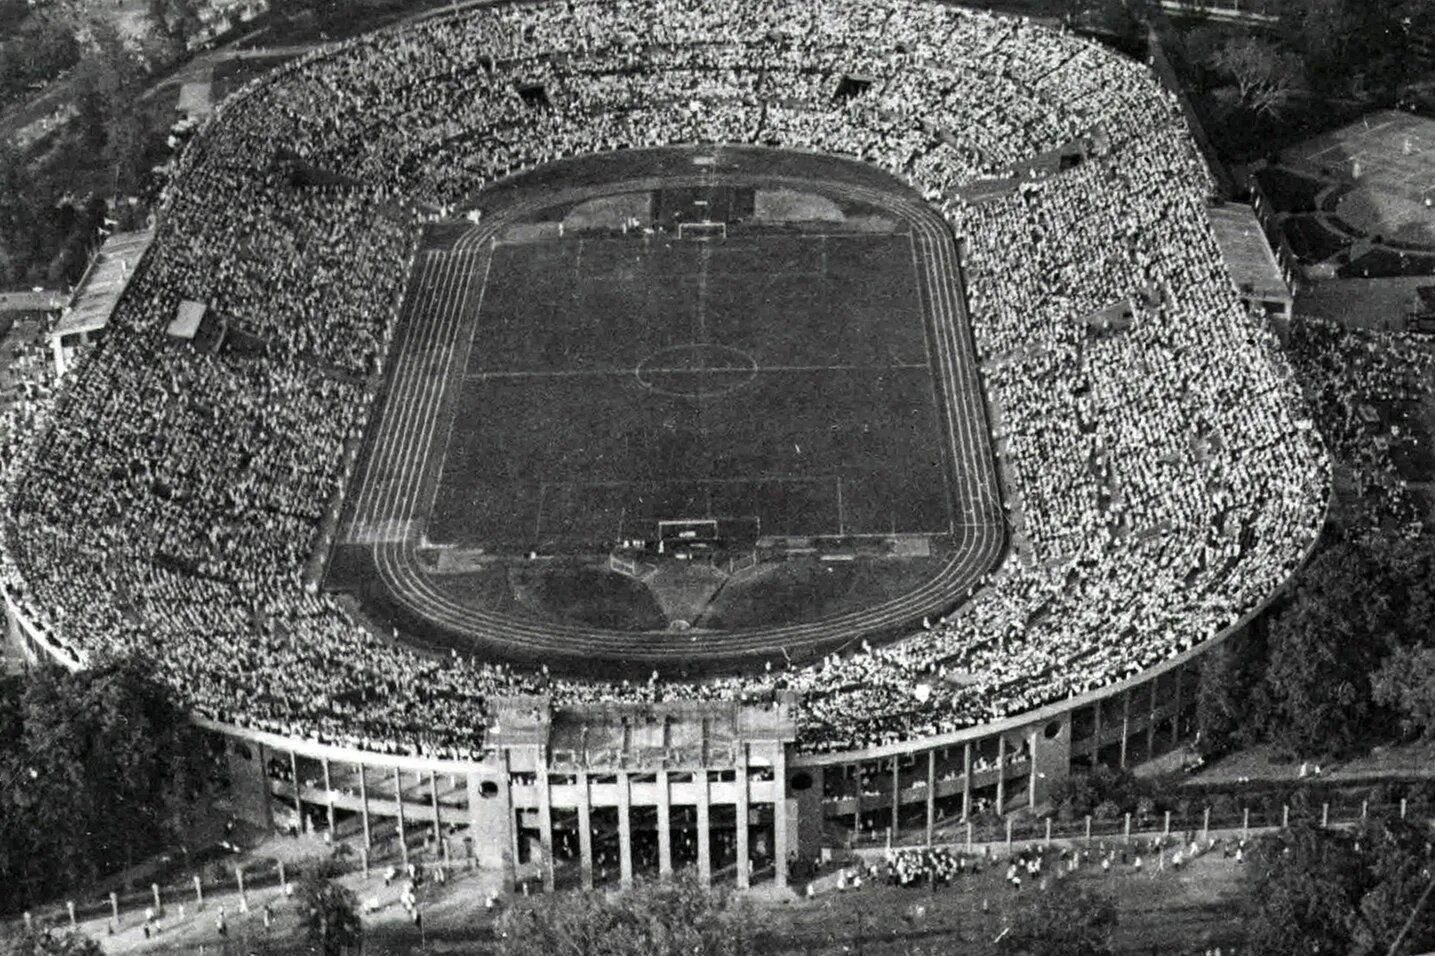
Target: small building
{"points": [[1256, 272], [84, 320]]}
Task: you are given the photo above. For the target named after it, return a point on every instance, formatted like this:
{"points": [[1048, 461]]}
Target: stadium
{"points": [[647, 434]]}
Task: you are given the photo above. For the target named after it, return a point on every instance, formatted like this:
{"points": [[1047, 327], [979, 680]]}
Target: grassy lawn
{"points": [[1177, 911]]}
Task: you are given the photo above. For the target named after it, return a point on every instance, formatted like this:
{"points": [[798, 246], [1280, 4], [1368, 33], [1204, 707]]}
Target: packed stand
{"points": [[1164, 476]]}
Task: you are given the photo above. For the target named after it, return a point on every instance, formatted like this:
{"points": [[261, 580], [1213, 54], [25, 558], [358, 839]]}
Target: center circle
{"points": [[696, 370]]}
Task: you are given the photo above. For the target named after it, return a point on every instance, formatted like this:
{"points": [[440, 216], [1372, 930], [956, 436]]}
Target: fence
{"points": [[196, 891], [129, 908], [1024, 830]]}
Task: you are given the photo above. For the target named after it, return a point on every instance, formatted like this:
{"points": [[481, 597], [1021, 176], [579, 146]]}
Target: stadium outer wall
{"points": [[732, 772]]}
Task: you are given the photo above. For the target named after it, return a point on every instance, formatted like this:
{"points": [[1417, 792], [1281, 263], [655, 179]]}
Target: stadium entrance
{"points": [[729, 392]]}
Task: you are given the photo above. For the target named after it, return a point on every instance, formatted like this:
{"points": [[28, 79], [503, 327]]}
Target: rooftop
{"points": [[102, 284], [1247, 252]]}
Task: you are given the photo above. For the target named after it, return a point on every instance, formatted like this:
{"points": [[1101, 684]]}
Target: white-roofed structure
{"points": [[95, 298]]}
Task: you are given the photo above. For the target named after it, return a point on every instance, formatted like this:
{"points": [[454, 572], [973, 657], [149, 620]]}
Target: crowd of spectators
{"points": [[1162, 478], [1364, 387]]}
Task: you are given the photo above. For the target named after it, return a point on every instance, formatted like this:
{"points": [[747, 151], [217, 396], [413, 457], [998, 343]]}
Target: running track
{"points": [[397, 487]]}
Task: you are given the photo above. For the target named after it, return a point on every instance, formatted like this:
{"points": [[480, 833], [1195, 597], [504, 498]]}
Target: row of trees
{"points": [[35, 49], [54, 197], [98, 770], [685, 918], [1347, 661], [1264, 83], [55, 192]]}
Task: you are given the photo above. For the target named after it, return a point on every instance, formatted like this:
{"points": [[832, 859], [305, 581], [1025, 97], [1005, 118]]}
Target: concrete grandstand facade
{"points": [[737, 759]]}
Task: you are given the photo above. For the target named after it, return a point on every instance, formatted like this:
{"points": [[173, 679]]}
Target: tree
{"points": [[38, 51], [1083, 793], [1066, 920], [94, 767], [1342, 621], [1123, 19], [1306, 886], [174, 22], [1406, 684], [681, 917], [1317, 684], [1350, 45], [1229, 675], [1399, 875], [108, 84], [1330, 891], [1266, 78], [329, 913], [35, 943]]}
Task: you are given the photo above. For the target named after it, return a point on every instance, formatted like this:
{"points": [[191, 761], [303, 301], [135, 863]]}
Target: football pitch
{"points": [[574, 373], [616, 382]]}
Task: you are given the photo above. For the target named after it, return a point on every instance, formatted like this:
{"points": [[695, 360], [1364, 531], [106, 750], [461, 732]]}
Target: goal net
{"points": [[702, 230], [687, 535]]}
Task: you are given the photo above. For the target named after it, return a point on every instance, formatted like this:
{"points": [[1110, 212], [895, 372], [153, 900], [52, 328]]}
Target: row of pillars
{"points": [[702, 806], [364, 803], [1152, 720], [931, 788], [584, 809]]}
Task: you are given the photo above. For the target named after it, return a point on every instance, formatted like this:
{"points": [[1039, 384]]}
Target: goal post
{"points": [[702, 230], [685, 534]]}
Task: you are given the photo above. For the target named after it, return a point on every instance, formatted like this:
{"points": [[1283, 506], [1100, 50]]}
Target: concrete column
{"points": [[744, 875], [364, 804], [1176, 717], [1125, 723], [492, 825], [1096, 733], [931, 795], [705, 844], [1031, 770], [329, 797], [1151, 720], [545, 826], [625, 830], [437, 817], [896, 823], [967, 780], [585, 831], [399, 807], [1001, 774], [857, 804], [298, 800], [665, 826], [779, 817]]}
